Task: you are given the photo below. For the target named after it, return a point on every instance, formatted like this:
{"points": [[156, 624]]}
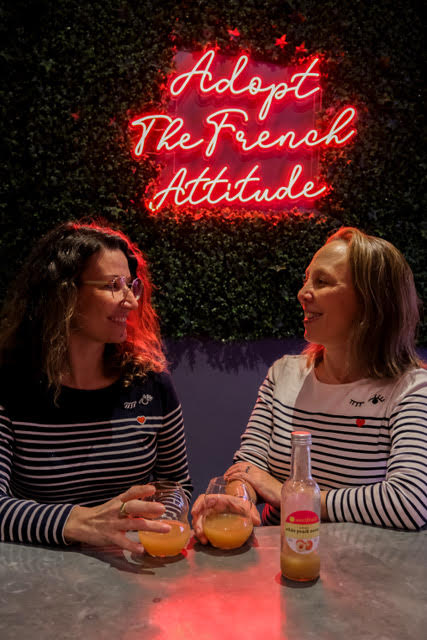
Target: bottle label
{"points": [[302, 531]]}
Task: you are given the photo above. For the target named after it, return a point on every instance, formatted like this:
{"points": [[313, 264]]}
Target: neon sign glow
{"points": [[239, 137]]}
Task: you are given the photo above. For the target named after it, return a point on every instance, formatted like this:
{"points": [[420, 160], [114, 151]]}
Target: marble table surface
{"points": [[373, 586]]}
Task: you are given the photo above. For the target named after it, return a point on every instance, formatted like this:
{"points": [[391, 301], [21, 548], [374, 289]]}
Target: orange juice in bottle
{"points": [[300, 515]]}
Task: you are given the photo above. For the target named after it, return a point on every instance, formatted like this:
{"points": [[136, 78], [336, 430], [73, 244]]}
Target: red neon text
{"points": [[254, 141], [220, 190], [171, 137], [201, 72]]}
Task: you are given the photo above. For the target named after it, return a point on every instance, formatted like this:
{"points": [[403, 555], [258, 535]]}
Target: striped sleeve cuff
{"points": [[30, 522]]}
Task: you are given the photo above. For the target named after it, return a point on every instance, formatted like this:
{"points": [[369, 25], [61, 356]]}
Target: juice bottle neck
{"points": [[300, 462]]}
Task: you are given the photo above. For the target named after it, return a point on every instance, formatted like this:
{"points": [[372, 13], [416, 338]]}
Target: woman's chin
{"points": [[119, 336]]}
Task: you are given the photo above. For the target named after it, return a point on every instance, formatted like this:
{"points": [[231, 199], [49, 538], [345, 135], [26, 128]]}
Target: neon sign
{"points": [[239, 133]]}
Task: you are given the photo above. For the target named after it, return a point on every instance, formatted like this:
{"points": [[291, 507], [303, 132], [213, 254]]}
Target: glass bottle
{"points": [[300, 515]]}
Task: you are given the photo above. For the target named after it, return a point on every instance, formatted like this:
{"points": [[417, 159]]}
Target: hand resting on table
{"points": [[107, 523]]}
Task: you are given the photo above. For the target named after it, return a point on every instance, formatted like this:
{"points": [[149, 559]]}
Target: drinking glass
{"points": [[172, 495], [227, 521]]}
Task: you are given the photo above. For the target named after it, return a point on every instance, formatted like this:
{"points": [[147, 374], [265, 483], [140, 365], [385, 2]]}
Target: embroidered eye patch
{"points": [[376, 398]]}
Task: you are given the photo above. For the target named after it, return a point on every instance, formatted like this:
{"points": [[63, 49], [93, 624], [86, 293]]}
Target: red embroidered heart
{"points": [[141, 419], [360, 422]]}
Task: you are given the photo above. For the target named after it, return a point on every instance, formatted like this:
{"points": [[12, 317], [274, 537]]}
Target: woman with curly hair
{"points": [[88, 414]]}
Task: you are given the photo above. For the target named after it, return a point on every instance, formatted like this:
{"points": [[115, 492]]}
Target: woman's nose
{"points": [[129, 300], [304, 293]]}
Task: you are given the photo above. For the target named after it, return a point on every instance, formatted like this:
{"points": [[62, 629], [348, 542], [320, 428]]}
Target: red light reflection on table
{"points": [[213, 610], [239, 133]]}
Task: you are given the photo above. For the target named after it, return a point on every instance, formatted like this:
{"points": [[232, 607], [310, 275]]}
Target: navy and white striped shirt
{"points": [[369, 441], [89, 449]]}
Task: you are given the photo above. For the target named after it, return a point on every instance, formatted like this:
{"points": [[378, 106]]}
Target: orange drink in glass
{"points": [[166, 544], [227, 522], [172, 496]]}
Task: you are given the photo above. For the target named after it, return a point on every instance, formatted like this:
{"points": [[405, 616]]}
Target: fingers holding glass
{"points": [[171, 497], [227, 522], [197, 518]]}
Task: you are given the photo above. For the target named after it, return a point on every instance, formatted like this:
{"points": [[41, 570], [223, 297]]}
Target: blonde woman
{"points": [[359, 388]]}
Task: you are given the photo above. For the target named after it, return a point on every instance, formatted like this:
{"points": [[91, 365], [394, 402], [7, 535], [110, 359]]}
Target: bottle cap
{"points": [[301, 437]]}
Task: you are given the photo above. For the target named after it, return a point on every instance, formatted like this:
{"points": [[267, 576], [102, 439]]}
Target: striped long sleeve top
{"points": [[369, 439], [90, 448]]}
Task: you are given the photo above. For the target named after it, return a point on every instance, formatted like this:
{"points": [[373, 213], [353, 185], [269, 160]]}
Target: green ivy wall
{"points": [[74, 72]]}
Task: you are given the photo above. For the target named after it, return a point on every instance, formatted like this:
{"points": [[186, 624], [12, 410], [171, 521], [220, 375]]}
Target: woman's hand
{"points": [[108, 523], [219, 503], [323, 510], [197, 518], [267, 487]]}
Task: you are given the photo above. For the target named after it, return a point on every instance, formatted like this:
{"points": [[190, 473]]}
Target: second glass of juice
{"points": [[172, 495], [227, 522]]}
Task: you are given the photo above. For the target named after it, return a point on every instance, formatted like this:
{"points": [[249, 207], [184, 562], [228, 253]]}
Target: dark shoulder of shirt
{"points": [[32, 401]]}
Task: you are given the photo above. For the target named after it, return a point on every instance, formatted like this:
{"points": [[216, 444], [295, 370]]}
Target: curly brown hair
{"points": [[383, 338], [36, 318]]}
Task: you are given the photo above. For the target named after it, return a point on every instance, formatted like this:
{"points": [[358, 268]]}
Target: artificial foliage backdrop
{"points": [[74, 73]]}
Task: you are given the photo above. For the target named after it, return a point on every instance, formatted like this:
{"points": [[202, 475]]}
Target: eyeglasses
{"points": [[119, 284]]}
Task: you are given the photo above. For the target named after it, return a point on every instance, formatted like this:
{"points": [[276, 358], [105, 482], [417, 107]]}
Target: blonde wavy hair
{"points": [[384, 333], [36, 318]]}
